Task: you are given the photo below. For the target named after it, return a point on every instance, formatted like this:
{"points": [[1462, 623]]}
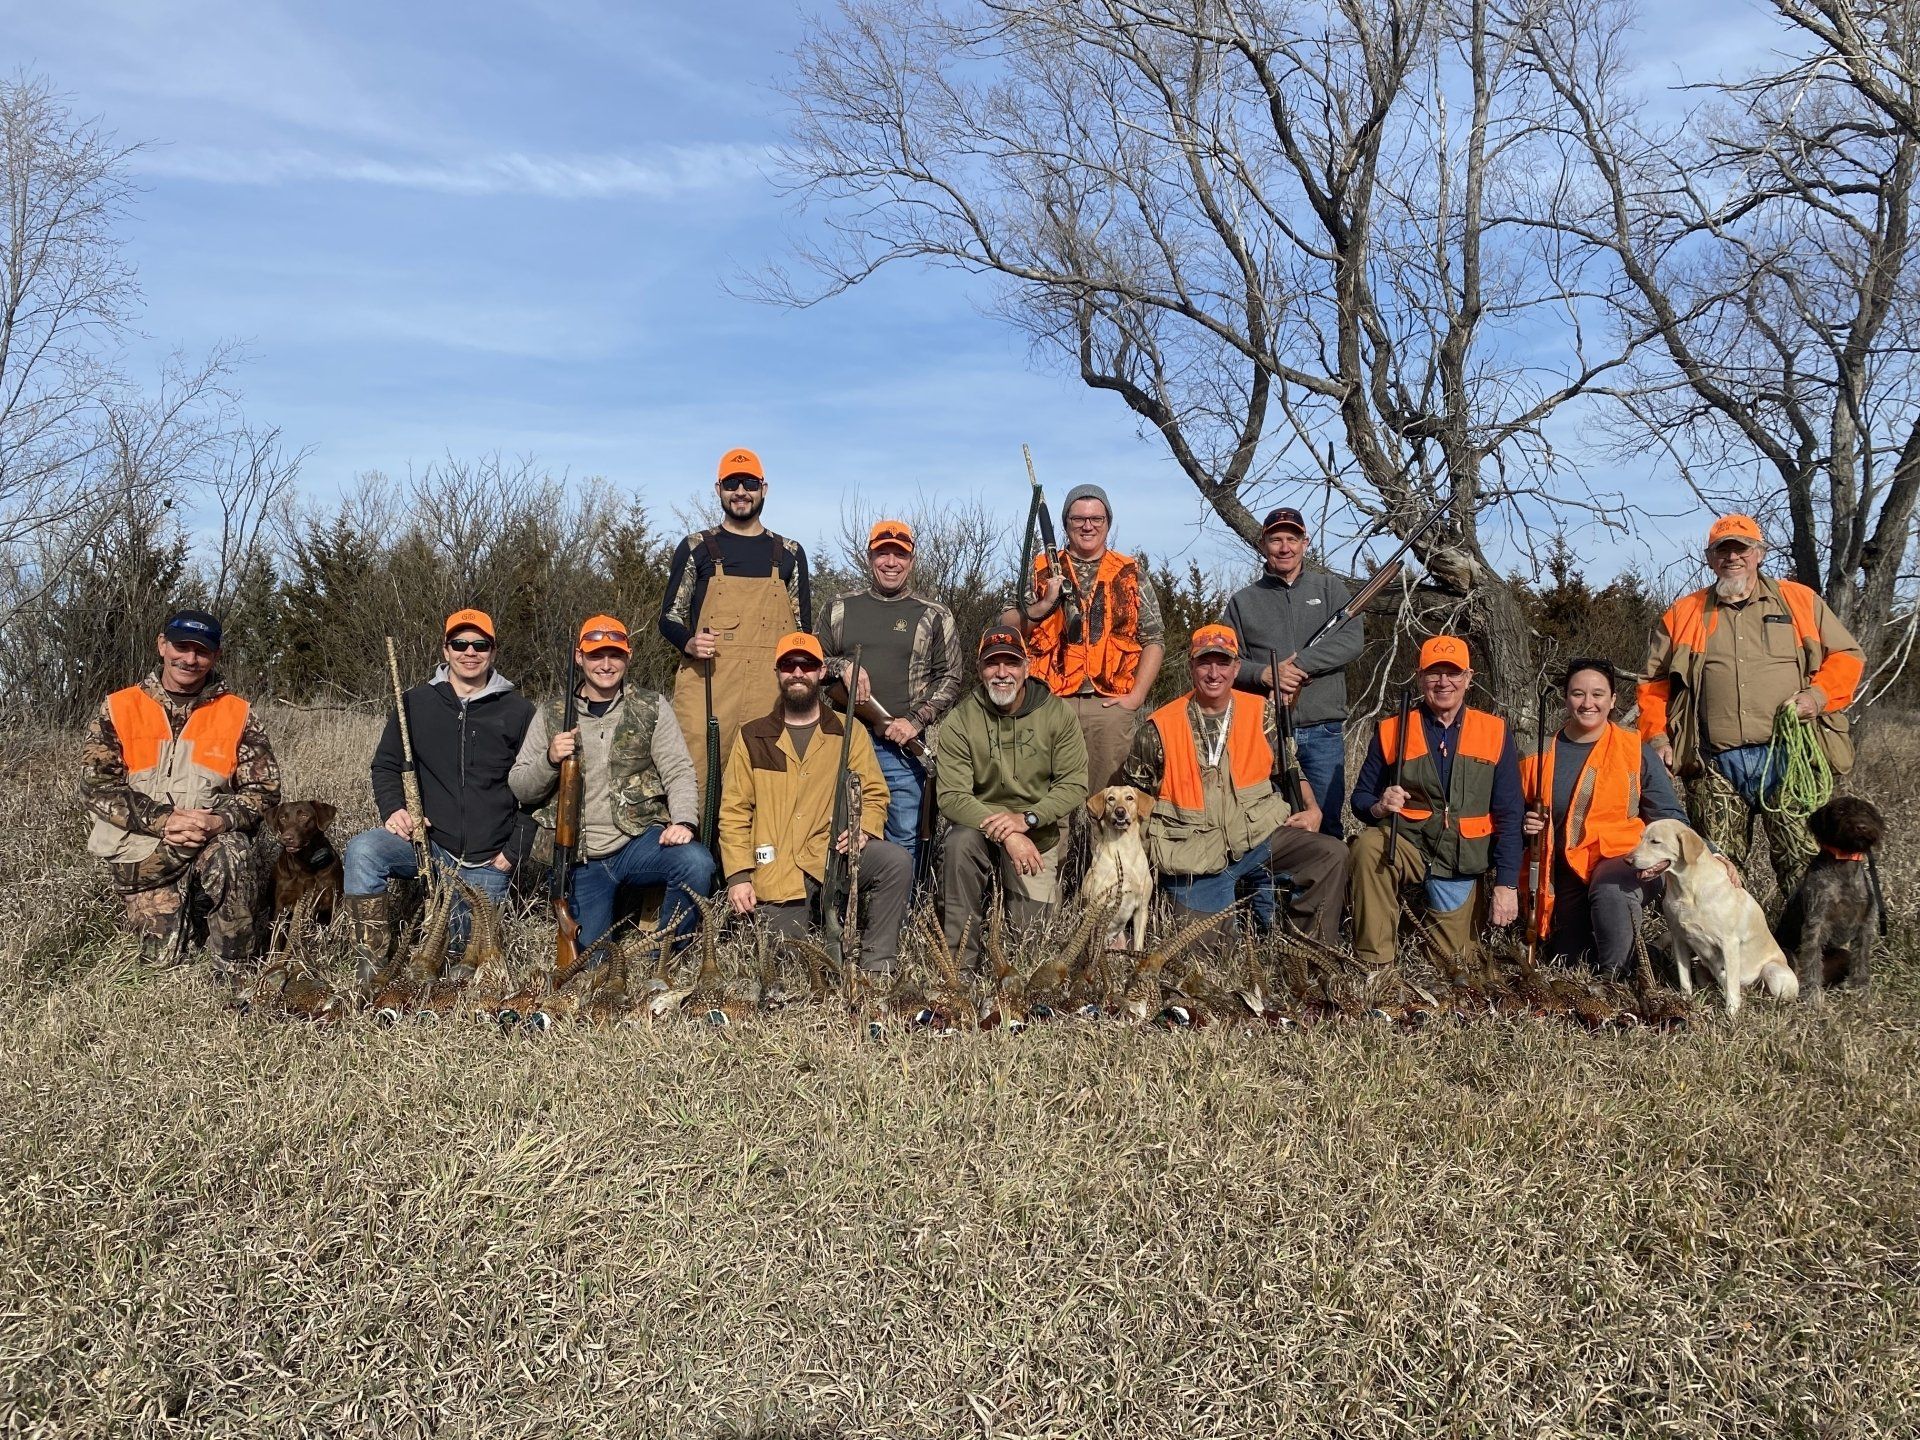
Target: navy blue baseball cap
{"points": [[192, 627]]}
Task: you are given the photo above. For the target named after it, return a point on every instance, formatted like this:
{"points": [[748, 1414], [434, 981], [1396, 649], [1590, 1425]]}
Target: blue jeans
{"points": [[1210, 894], [686, 871], [374, 857], [1323, 760], [1745, 768], [906, 778]]}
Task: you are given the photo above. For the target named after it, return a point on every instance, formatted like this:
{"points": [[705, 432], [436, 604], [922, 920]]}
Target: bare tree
{"points": [[1765, 238], [1272, 229], [249, 490], [65, 296]]}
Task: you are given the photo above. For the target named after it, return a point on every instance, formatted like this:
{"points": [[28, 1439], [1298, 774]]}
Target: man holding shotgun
{"points": [[1440, 793], [1276, 620], [910, 672], [638, 803], [466, 725], [777, 808]]}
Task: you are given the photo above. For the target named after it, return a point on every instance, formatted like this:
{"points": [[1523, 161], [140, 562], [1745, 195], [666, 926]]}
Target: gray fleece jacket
{"points": [[1272, 615]]}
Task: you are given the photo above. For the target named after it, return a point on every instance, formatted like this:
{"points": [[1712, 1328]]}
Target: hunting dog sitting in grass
{"points": [[1710, 918], [1829, 923], [308, 860], [1119, 874]]}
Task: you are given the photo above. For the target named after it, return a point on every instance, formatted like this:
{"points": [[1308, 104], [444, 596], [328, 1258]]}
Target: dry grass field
{"points": [[217, 1225]]}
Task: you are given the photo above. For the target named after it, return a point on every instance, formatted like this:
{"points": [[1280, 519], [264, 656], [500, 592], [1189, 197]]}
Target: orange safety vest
{"points": [[1108, 654], [1458, 837], [184, 770], [1249, 757], [1603, 818], [211, 736], [1689, 622]]}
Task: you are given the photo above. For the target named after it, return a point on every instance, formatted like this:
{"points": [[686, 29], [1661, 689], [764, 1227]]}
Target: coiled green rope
{"points": [[1805, 779]]}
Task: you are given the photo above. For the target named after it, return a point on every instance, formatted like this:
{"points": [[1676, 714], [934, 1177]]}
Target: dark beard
{"points": [[759, 504], [791, 706]]}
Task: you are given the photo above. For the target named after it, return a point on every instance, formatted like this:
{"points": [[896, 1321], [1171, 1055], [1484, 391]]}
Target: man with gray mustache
{"points": [[1012, 767]]}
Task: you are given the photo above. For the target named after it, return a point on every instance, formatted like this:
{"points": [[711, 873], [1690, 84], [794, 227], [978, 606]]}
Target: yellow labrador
{"points": [[1710, 917], [1119, 873]]}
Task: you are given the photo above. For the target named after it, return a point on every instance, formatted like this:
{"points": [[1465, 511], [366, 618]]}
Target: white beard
{"points": [[1732, 589], [1004, 695]]}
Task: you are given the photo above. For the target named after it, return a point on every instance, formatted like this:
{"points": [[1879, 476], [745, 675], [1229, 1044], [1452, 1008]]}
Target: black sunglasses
{"points": [[742, 482], [792, 666], [464, 645]]}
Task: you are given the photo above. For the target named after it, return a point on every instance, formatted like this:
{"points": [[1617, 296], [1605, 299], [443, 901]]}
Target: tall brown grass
{"points": [[213, 1225]]}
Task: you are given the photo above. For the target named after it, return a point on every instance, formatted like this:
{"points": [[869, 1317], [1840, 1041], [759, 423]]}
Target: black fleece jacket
{"points": [[463, 751]]}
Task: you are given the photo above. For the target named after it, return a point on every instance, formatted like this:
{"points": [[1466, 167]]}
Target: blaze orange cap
{"points": [[1214, 640], [741, 462], [470, 620], [1445, 650], [1735, 527], [798, 642], [603, 632], [890, 532]]}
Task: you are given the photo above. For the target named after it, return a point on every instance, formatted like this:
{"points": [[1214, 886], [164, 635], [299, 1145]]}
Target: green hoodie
{"points": [[1034, 759]]}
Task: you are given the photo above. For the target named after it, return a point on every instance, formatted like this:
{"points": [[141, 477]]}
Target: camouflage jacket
{"points": [[254, 788], [635, 770]]}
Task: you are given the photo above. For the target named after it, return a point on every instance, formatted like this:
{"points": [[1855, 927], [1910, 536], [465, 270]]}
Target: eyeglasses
{"points": [[464, 645], [742, 482], [1085, 521], [793, 666], [603, 637]]}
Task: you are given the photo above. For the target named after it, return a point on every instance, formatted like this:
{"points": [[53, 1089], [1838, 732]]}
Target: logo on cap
{"points": [[740, 462], [798, 642], [1002, 640], [1445, 650], [195, 627]]}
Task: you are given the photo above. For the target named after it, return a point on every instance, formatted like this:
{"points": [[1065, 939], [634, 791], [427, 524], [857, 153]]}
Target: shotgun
{"points": [[834, 883], [1540, 846], [1041, 518], [410, 779], [876, 717], [566, 838], [1392, 850], [1289, 769], [710, 792]]}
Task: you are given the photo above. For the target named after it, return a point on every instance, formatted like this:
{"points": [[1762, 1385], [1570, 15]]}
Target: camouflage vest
{"points": [[635, 791]]}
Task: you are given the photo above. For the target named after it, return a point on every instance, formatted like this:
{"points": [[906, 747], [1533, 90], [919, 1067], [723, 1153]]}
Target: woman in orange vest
{"points": [[1593, 792]]}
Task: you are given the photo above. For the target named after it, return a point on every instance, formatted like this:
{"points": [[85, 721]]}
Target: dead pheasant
{"points": [[410, 979], [1050, 988], [1007, 1002], [711, 998], [949, 1005], [304, 991], [1146, 996]]}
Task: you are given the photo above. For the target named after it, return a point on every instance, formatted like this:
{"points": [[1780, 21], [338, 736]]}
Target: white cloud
{"points": [[664, 173]]}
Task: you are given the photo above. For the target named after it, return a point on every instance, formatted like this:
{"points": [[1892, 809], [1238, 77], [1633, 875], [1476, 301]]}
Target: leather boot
{"points": [[370, 933]]}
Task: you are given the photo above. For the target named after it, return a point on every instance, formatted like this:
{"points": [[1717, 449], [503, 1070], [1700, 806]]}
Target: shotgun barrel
{"points": [[410, 778], [1399, 771], [566, 838]]}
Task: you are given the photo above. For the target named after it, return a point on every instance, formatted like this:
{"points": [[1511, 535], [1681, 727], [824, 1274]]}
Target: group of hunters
{"points": [[1012, 730]]}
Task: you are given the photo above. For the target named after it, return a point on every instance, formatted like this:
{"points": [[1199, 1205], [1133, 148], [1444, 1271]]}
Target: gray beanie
{"points": [[1087, 492]]}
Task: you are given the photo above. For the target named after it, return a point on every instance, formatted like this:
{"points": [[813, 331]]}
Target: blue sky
{"points": [[463, 228]]}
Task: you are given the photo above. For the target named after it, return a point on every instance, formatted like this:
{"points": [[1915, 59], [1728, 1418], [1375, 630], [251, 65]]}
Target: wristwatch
{"points": [[1033, 820]]}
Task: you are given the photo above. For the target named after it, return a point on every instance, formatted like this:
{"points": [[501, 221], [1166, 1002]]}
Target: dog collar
{"points": [[1833, 854], [317, 854]]}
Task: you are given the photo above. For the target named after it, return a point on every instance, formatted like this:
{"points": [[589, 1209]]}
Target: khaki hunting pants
{"points": [[1376, 891]]}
